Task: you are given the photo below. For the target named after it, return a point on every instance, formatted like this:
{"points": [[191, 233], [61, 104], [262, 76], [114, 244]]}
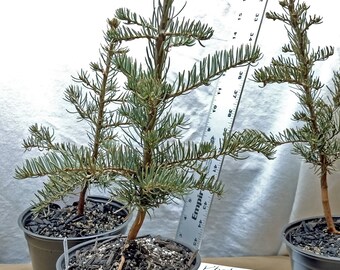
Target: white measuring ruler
{"points": [[246, 27]]}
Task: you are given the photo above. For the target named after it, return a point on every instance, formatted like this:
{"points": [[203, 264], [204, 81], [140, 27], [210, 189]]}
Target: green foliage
{"points": [[135, 137], [318, 117], [316, 135], [155, 129], [69, 166]]}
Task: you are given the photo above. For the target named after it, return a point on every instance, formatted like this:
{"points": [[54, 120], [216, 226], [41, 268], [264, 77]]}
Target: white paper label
{"points": [[209, 266]]}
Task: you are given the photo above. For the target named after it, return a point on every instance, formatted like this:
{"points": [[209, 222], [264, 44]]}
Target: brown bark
{"points": [[325, 201], [99, 125], [137, 224], [81, 201]]}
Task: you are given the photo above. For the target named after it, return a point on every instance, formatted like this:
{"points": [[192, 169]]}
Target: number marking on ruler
{"points": [[246, 28]]}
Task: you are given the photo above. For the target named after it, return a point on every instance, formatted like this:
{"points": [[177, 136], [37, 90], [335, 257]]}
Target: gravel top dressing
{"points": [[312, 236], [99, 217], [147, 252]]}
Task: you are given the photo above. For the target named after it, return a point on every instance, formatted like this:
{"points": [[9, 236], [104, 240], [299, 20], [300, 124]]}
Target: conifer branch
{"points": [[212, 67]]}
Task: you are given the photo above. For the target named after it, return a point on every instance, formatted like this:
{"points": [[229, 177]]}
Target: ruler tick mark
{"points": [[224, 108]]}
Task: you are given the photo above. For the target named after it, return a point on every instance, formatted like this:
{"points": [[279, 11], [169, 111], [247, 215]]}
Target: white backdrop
{"points": [[43, 43]]}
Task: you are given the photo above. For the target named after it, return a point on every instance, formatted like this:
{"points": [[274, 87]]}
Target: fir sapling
{"points": [[316, 135], [69, 166]]}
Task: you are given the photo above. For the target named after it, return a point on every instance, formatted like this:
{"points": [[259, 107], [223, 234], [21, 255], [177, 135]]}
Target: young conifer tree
{"points": [[316, 137], [70, 167], [160, 163], [148, 163]]}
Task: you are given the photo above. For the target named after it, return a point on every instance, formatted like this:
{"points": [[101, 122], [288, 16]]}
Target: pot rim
{"points": [[27, 212], [290, 226]]}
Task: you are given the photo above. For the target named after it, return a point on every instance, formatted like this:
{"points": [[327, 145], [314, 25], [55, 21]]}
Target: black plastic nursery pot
{"points": [[92, 244], [44, 251], [307, 260]]}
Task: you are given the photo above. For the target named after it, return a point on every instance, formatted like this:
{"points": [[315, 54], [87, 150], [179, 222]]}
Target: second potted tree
{"points": [[72, 168], [312, 242]]}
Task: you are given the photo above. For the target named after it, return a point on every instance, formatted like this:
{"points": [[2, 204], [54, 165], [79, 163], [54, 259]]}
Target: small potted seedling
{"points": [[71, 168], [314, 241], [154, 164]]}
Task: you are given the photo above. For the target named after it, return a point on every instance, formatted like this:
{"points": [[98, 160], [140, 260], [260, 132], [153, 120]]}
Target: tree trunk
{"points": [[137, 224], [81, 201], [325, 201]]}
